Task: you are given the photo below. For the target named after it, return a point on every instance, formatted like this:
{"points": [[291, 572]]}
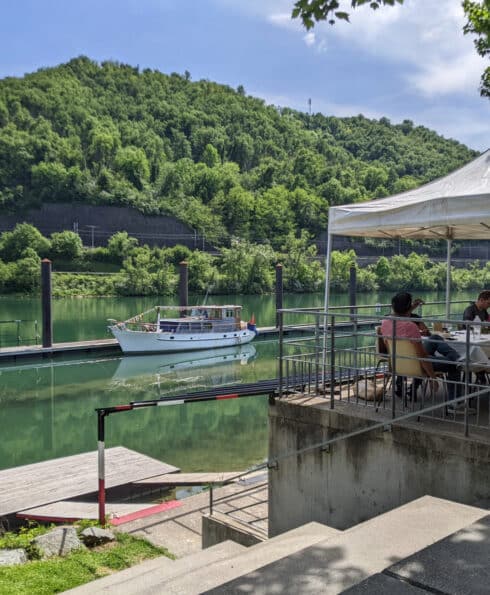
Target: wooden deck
{"points": [[37, 351], [43, 483]]}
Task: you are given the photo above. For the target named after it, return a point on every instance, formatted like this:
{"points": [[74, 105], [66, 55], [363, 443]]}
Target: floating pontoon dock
{"points": [[59, 480]]}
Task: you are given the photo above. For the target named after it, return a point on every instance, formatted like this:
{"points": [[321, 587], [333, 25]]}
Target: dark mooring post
{"points": [[279, 291], [46, 302], [352, 290], [183, 286]]}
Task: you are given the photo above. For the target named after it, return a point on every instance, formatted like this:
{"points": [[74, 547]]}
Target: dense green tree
{"points": [[13, 244], [146, 272], [66, 245], [273, 212], [120, 245], [236, 208], [132, 163], [246, 268], [210, 156], [104, 143], [302, 271], [25, 276], [50, 180], [478, 14], [5, 274], [202, 272], [223, 162]]}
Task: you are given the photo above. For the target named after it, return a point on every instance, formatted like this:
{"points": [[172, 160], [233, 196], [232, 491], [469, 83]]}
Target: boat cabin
{"points": [[204, 319]]}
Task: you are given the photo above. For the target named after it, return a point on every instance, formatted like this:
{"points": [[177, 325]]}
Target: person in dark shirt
{"points": [[478, 309]]}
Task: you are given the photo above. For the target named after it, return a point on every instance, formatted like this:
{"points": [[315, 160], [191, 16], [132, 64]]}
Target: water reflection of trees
{"points": [[48, 412]]}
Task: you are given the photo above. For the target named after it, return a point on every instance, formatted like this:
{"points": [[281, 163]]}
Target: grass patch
{"points": [[44, 577]]}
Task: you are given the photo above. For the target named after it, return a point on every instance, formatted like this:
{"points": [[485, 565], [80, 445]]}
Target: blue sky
{"points": [[408, 62]]}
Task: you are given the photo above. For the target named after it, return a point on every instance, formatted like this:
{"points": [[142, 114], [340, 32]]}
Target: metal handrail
{"points": [[325, 445], [363, 306]]}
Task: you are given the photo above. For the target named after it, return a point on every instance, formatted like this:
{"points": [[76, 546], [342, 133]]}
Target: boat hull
{"points": [[151, 342]]}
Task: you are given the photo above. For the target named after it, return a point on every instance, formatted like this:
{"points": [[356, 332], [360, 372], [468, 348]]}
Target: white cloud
{"points": [[283, 20], [459, 75], [309, 38], [429, 44], [424, 37], [437, 68]]}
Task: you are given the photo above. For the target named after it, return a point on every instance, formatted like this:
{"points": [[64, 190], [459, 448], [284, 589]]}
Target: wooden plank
{"points": [[71, 510], [68, 477], [188, 479]]}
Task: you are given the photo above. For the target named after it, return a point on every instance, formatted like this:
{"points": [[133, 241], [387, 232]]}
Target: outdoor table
{"points": [[479, 349]]}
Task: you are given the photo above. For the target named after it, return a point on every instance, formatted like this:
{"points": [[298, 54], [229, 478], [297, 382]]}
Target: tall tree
{"points": [[478, 14]]}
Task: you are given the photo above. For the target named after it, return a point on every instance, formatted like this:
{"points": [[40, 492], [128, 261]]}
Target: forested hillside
{"points": [[223, 162]]}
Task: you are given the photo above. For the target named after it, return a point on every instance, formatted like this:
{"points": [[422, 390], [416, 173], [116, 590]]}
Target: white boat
{"points": [[202, 327]]}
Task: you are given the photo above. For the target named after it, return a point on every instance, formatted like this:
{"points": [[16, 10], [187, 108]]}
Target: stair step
{"points": [[254, 557], [349, 557], [157, 571], [457, 564], [381, 584]]}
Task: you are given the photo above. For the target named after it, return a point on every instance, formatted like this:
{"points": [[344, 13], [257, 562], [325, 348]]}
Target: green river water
{"points": [[47, 407]]}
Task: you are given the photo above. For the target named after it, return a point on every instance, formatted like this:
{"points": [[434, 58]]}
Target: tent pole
{"points": [[327, 271], [326, 304], [448, 279]]}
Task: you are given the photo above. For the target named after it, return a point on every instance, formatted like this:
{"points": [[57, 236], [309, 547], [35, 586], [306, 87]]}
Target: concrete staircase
{"points": [[367, 558], [144, 577]]}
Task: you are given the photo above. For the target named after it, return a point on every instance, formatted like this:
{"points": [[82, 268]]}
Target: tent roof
{"points": [[456, 206]]}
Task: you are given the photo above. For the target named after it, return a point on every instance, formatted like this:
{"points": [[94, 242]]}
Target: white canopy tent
{"points": [[454, 207]]}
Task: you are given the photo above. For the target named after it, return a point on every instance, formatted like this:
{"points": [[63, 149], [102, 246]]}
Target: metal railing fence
{"points": [[343, 362], [19, 332]]}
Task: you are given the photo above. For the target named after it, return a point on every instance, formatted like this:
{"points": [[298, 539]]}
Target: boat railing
{"points": [[185, 326]]}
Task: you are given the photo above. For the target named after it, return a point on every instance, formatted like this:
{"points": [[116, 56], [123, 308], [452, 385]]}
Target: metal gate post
{"points": [[101, 451]]}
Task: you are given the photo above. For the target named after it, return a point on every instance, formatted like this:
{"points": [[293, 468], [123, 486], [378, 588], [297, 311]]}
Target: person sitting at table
{"points": [[478, 309], [433, 347]]}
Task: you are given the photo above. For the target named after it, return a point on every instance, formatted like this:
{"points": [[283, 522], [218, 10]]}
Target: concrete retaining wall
{"points": [[217, 528], [99, 223], [364, 476]]}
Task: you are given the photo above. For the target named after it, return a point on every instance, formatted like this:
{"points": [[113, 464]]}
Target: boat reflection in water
{"points": [[185, 372]]}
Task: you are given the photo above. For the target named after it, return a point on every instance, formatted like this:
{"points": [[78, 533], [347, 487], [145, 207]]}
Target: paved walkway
{"points": [[180, 529]]}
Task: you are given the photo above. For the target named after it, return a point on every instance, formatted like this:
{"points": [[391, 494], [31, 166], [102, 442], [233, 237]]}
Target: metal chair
{"points": [[405, 362]]}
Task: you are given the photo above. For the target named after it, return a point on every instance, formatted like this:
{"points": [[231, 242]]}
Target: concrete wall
{"points": [[217, 528], [105, 221], [364, 476]]}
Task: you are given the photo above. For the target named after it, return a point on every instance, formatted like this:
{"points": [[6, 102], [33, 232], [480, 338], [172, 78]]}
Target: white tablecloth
{"points": [[479, 350]]}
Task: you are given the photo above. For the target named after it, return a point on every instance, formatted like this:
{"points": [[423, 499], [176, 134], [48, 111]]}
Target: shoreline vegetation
{"points": [[124, 268], [60, 573]]}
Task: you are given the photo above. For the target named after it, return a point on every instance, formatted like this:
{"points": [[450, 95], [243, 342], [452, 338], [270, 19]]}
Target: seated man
{"points": [[479, 308], [442, 356]]}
